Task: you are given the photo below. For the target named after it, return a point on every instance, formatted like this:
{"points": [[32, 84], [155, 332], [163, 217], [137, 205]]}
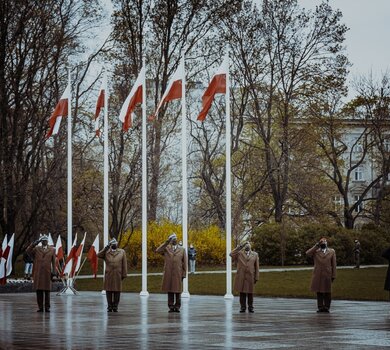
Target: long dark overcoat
{"points": [[247, 270], [116, 268], [324, 269], [175, 267], [44, 265], [386, 255]]}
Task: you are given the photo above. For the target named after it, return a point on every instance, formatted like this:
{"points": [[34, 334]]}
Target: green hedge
{"points": [[268, 241]]}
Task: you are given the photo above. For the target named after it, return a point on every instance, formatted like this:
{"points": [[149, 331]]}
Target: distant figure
{"points": [[386, 255], [175, 270], [28, 265], [247, 274], [116, 271], [192, 258], [324, 273], [357, 254], [44, 266]]}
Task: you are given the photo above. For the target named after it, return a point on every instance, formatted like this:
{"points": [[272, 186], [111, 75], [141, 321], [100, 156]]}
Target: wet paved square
{"points": [[205, 322]]}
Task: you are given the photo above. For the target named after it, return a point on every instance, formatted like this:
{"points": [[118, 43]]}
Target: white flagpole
{"points": [[105, 162], [69, 245], [105, 169], [185, 293], [228, 294], [144, 291]]}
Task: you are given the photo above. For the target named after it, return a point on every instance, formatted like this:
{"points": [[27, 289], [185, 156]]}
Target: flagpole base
{"points": [[185, 295], [68, 290], [229, 296], [144, 293]]}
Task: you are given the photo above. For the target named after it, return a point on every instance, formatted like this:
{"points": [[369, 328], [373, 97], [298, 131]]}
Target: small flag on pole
{"points": [[6, 258], [69, 259], [100, 105], [92, 255]]}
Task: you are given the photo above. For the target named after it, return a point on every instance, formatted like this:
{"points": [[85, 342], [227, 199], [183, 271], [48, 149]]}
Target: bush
{"points": [[209, 243]]}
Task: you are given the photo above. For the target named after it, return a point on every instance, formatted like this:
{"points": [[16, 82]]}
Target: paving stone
{"points": [[205, 322]]}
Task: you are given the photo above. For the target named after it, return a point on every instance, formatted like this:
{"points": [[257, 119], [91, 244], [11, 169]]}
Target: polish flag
{"points": [[216, 85], [134, 98], [92, 255], [77, 257], [60, 111], [50, 241], [174, 89], [6, 259], [3, 261], [59, 252], [99, 106], [69, 259]]}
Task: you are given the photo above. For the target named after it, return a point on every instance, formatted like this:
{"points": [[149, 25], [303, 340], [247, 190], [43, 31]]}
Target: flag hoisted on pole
{"points": [[135, 97], [220, 83], [92, 255], [6, 258], [77, 257], [59, 254], [173, 90], [61, 110], [99, 105]]}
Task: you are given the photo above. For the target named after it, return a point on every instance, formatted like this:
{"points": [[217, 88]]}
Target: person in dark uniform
{"points": [[357, 254], [386, 255]]}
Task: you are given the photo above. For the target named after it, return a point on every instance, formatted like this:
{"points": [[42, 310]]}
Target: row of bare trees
{"points": [[290, 157]]}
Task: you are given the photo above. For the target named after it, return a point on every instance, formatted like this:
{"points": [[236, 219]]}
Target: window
{"points": [[337, 203], [358, 174], [359, 208]]}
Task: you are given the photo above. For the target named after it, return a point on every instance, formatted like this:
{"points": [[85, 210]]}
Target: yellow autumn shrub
{"points": [[209, 243]]}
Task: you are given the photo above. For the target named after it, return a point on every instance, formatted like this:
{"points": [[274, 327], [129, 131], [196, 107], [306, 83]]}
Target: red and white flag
{"points": [[92, 255], [77, 257], [6, 259], [50, 241], [3, 262], [100, 105], [174, 88], [69, 259], [60, 111], [217, 85], [59, 253], [134, 98]]}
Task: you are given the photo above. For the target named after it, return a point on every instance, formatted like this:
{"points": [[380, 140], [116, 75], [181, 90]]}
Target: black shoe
{"points": [[115, 310], [176, 309], [40, 310], [251, 310], [47, 310], [109, 309], [242, 310], [171, 309], [326, 310]]}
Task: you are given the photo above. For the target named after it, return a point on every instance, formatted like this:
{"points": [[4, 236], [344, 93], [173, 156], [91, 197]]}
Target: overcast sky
{"points": [[367, 40]]}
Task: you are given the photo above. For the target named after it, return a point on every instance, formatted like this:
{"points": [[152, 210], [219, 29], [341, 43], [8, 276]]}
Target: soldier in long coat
{"points": [[247, 274], [324, 273], [44, 258], [175, 270], [116, 271]]}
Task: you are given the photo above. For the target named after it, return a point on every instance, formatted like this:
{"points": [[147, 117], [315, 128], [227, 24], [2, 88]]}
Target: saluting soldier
{"points": [[44, 258], [324, 273], [247, 274], [116, 271], [175, 270]]}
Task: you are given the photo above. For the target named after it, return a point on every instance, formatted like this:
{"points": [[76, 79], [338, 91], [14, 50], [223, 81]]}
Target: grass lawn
{"points": [[351, 284]]}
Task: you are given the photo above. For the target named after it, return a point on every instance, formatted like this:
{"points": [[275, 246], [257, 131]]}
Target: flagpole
{"points": [[69, 245], [185, 293], [228, 294], [105, 169], [144, 291]]}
